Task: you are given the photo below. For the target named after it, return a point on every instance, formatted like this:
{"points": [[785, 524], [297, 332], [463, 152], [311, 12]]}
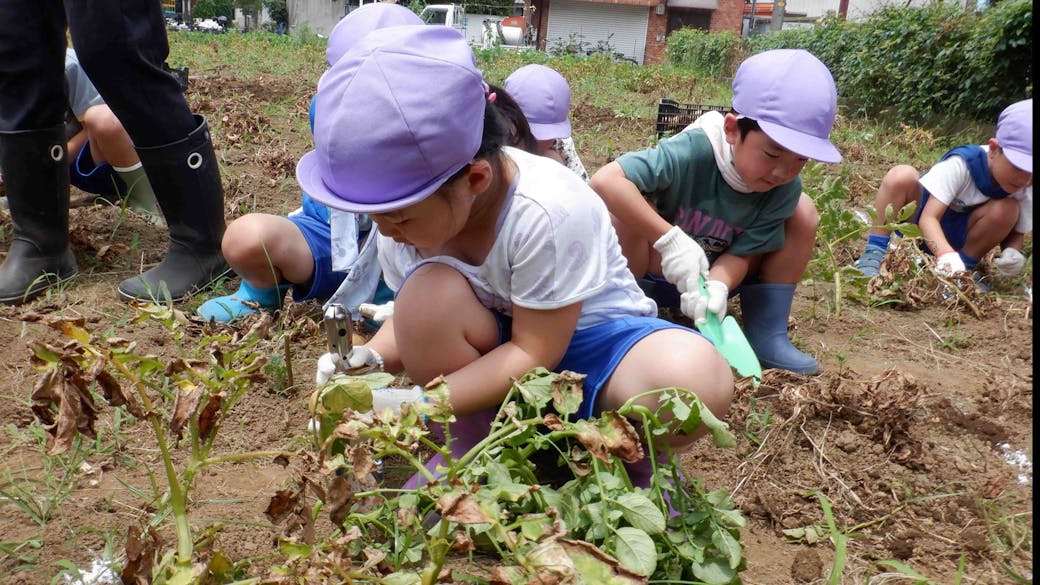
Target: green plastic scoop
{"points": [[729, 339]]}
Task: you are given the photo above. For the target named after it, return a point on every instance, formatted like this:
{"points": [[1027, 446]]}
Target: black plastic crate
{"points": [[672, 116]]}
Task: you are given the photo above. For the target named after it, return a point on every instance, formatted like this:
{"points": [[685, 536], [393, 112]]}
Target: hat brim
{"points": [[551, 131], [801, 143], [1021, 160], [308, 175]]}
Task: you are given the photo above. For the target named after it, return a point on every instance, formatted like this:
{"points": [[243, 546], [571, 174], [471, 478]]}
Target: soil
{"points": [[909, 433]]}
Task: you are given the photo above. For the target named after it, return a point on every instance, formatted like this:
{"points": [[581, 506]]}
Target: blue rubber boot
{"points": [[233, 306], [765, 308]]}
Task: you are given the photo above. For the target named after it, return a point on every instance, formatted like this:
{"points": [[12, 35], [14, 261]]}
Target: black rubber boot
{"points": [[36, 173], [186, 181]]}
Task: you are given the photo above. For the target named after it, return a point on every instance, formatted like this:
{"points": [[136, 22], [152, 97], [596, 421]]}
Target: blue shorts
{"points": [[954, 224], [319, 239], [99, 179], [665, 294], [596, 351]]}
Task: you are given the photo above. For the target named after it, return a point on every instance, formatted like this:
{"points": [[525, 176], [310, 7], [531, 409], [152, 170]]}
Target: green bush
{"points": [[917, 63], [213, 9], [711, 55]]}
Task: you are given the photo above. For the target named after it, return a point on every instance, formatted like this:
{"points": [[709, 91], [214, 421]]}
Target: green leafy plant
{"points": [[184, 400], [596, 524]]}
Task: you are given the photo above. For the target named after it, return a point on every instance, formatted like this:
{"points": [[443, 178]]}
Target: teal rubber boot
{"points": [[234, 306]]}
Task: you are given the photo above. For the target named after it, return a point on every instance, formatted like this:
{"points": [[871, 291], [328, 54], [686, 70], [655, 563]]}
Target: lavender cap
{"points": [[397, 116], [791, 94], [544, 97], [1015, 134], [359, 22]]}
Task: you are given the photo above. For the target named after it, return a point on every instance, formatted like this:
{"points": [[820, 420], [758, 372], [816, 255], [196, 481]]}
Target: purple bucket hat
{"points": [[544, 97], [359, 22], [397, 116], [791, 94], [1015, 134]]}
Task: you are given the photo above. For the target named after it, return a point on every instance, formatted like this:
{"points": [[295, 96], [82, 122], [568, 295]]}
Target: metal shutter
{"points": [[592, 22]]}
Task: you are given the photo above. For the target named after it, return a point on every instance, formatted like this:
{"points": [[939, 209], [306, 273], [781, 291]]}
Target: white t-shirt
{"points": [[555, 246], [950, 181]]}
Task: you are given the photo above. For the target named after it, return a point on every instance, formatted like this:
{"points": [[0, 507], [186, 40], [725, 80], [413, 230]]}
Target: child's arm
{"points": [[539, 338], [729, 269], [948, 260], [626, 202], [931, 230]]}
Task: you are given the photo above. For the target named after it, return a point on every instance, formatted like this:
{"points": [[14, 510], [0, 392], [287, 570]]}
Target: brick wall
{"points": [[656, 29], [729, 16]]}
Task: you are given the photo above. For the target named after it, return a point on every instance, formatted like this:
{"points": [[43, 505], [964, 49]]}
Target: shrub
{"points": [[918, 63], [711, 55]]}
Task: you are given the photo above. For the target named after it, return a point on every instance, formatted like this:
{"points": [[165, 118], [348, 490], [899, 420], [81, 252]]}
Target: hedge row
{"points": [[918, 63]]}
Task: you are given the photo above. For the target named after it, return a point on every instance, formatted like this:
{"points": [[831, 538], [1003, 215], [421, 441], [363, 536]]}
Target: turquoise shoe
{"points": [[233, 306]]}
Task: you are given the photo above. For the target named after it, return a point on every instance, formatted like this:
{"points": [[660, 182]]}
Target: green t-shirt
{"points": [[681, 179]]}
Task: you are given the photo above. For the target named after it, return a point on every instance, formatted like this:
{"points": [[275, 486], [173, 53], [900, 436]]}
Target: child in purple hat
{"points": [[976, 197], [722, 201], [545, 99], [318, 253], [501, 261]]}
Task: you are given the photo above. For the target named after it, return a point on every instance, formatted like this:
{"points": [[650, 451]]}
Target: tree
{"points": [[213, 9], [278, 10]]}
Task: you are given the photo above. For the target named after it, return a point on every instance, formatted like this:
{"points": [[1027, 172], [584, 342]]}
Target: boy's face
{"points": [[1008, 176], [761, 162]]}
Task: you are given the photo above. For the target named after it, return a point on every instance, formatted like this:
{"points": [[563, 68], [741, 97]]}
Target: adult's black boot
{"points": [[36, 173], [186, 181]]}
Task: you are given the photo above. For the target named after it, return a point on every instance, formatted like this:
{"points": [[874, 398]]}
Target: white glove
{"points": [[949, 264], [696, 306], [377, 313], [682, 259], [328, 363], [1010, 262], [393, 398]]}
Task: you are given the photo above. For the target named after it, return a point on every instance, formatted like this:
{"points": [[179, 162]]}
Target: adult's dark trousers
{"points": [[121, 45]]}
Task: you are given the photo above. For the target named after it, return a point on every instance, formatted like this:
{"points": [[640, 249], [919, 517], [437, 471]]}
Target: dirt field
{"points": [[913, 433]]}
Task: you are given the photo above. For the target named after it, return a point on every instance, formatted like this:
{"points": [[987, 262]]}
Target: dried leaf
{"points": [[113, 391], [281, 504], [340, 496], [140, 554], [64, 389], [461, 508], [209, 417], [184, 408]]}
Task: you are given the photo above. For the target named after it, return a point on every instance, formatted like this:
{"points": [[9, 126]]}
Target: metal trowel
{"points": [[729, 339]]}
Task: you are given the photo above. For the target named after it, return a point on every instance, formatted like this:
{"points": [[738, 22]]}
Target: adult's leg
{"points": [[122, 46], [33, 156]]}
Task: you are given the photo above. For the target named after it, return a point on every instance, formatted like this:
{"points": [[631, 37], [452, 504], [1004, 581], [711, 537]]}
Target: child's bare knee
{"points": [[901, 176]]}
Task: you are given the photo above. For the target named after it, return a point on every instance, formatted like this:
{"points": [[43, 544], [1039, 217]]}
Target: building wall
{"points": [[728, 17], [320, 16], [656, 36]]}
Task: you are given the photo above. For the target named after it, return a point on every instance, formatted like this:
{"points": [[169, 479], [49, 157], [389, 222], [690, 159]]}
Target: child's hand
{"points": [[329, 363], [377, 313], [1010, 262], [682, 260], [696, 306], [949, 264]]}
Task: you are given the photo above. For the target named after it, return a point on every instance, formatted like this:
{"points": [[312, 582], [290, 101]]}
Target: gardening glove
{"points": [[393, 398], [1010, 262], [328, 363], [696, 305], [949, 264], [377, 313], [682, 260]]}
